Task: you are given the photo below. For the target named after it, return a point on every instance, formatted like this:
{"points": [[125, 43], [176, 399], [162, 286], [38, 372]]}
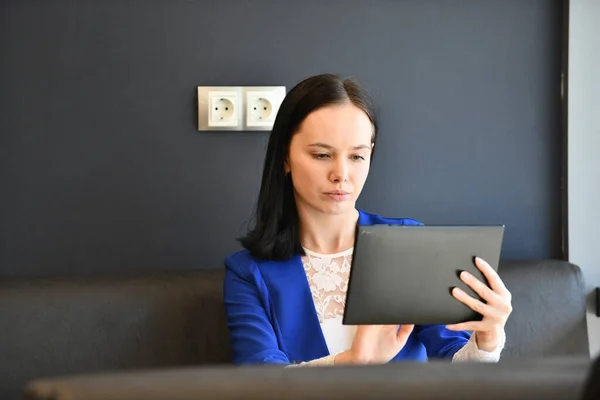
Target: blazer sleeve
{"points": [[253, 338], [440, 342]]}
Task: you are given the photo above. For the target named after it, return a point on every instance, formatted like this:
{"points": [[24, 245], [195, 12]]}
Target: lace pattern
{"points": [[328, 280]]}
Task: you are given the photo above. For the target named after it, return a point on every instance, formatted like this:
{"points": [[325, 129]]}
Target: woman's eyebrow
{"points": [[329, 147]]}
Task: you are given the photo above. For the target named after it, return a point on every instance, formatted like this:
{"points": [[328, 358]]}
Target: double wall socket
{"points": [[237, 108]]}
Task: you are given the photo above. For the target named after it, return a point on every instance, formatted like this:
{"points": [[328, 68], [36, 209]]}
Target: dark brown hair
{"points": [[275, 233]]}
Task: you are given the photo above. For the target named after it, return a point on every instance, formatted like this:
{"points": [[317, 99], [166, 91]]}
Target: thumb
{"points": [[404, 332]]}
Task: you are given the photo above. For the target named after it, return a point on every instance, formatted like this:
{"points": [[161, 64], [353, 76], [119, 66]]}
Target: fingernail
{"points": [[465, 275]]}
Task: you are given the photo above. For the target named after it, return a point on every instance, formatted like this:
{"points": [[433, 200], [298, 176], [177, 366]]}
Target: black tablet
{"points": [[404, 274]]}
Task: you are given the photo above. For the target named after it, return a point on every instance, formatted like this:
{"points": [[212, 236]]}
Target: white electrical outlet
{"points": [[220, 108], [223, 108], [262, 106]]}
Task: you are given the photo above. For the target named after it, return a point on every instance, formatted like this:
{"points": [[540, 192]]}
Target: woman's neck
{"points": [[327, 234]]}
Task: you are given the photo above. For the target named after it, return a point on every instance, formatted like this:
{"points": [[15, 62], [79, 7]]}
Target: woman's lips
{"points": [[338, 195]]}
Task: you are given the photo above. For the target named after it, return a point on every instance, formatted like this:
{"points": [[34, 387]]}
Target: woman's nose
{"points": [[339, 172]]}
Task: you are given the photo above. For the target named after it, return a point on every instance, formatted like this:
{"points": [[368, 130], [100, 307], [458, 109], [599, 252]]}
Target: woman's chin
{"points": [[327, 206], [337, 208]]}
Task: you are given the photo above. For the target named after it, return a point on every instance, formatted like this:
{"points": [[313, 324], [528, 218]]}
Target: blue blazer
{"points": [[272, 317]]}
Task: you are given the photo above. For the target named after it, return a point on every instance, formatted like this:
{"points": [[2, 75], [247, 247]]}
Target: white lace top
{"points": [[328, 280]]}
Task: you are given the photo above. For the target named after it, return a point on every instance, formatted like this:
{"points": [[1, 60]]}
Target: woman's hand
{"points": [[488, 331], [375, 344]]}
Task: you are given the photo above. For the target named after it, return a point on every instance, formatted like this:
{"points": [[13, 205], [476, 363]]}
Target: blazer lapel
{"points": [[295, 314]]}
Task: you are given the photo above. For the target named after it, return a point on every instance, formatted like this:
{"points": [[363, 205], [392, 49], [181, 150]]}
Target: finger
{"points": [[474, 304], [404, 332], [480, 288], [492, 276], [468, 326]]}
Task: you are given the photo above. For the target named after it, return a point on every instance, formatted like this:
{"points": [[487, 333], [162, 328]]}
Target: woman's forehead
{"points": [[342, 124]]}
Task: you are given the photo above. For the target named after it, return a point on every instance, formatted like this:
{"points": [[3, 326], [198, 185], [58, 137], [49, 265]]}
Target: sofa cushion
{"points": [[549, 309]]}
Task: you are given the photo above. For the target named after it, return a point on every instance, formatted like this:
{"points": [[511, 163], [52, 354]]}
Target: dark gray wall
{"points": [[102, 169]]}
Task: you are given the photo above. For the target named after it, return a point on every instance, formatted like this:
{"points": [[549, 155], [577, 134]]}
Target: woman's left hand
{"points": [[495, 311]]}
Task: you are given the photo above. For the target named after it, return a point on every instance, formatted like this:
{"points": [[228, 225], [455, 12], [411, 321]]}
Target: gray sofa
{"points": [[555, 379], [63, 326]]}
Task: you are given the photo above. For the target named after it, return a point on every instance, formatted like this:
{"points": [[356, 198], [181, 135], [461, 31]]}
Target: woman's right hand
{"points": [[375, 344]]}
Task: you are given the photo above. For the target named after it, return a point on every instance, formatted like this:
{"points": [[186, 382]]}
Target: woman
{"points": [[285, 292]]}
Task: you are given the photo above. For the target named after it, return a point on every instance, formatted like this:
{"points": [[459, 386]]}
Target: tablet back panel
{"points": [[405, 274]]}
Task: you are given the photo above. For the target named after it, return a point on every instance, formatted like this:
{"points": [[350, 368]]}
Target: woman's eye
{"points": [[358, 158], [321, 156]]}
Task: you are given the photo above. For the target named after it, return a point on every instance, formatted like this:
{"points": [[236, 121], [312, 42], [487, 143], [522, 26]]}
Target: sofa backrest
{"points": [[549, 309], [561, 379], [53, 327]]}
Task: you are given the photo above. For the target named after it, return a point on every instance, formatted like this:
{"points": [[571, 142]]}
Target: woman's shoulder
{"points": [[366, 218], [243, 261], [240, 257]]}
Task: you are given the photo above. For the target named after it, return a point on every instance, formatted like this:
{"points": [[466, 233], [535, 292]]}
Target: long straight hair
{"points": [[275, 235]]}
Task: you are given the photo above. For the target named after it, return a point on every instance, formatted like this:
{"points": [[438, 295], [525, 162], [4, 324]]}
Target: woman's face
{"points": [[329, 158]]}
